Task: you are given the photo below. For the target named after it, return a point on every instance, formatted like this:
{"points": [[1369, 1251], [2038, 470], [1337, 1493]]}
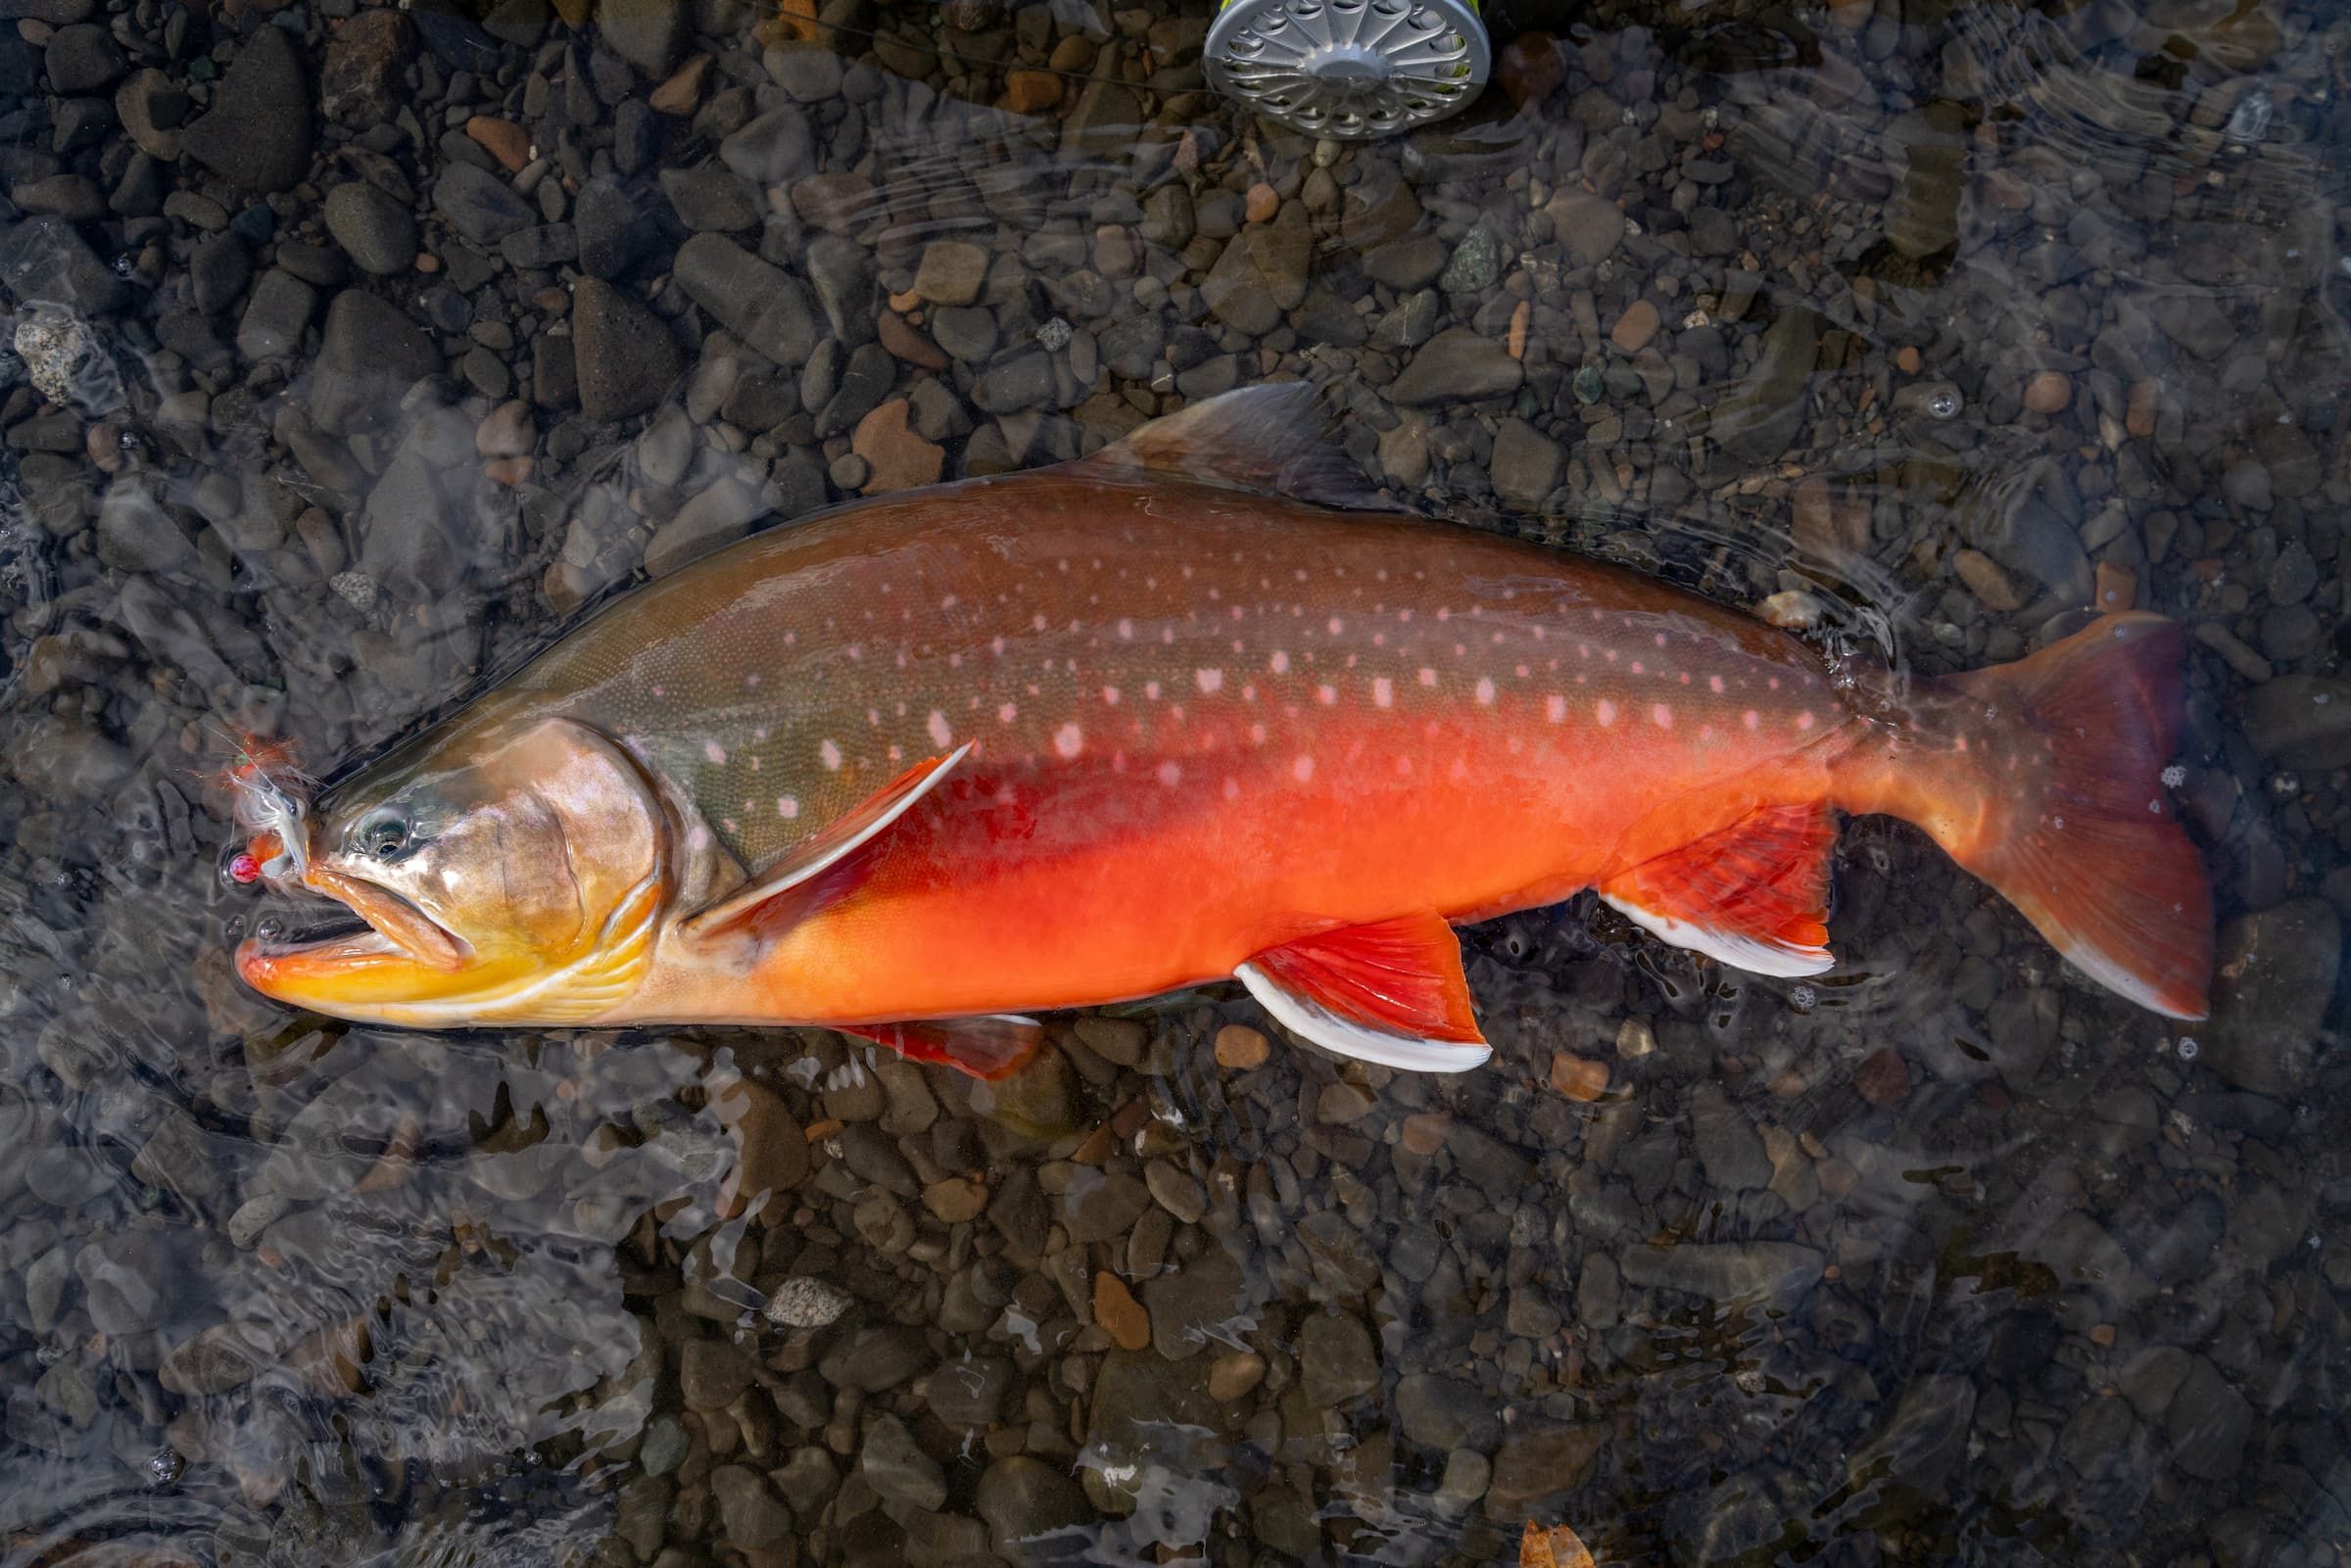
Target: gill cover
{"points": [[506, 869]]}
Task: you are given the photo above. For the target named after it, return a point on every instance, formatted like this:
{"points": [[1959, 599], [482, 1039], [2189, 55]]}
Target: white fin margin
{"points": [[1311, 1019], [1775, 959]]}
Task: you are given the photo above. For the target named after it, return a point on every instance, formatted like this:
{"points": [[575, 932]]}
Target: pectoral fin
{"points": [[1754, 895], [996, 1046], [1391, 992], [823, 867]]}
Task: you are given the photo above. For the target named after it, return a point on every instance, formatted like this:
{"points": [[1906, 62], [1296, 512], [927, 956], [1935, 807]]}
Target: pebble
{"points": [[2277, 972], [375, 231], [1121, 1316], [896, 457], [625, 357], [1241, 1049], [1456, 365], [951, 272], [257, 135], [1883, 1078], [1579, 1078], [2049, 393], [1635, 327], [807, 1301]]}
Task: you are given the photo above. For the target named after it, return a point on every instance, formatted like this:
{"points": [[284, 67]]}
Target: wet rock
{"points": [[369, 353], [1456, 365], [1727, 1143], [405, 528], [1536, 1462], [2194, 321], [2301, 721], [611, 231], [807, 1302], [1027, 1504], [970, 1392], [1761, 418], [1475, 264], [1201, 1301], [1438, 1411], [951, 272], [375, 231], [1925, 1437], [214, 1361], [360, 84], [2208, 1424], [82, 59], [873, 1359], [718, 515], [898, 1469], [711, 1373], [1635, 327], [258, 132], [626, 359], [757, 303], [126, 1282], [1527, 465], [1337, 1360], [1012, 386], [752, 1516], [2277, 972], [276, 316], [1724, 1271], [770, 150], [1588, 227], [1102, 1205], [479, 205], [136, 535], [646, 36]]}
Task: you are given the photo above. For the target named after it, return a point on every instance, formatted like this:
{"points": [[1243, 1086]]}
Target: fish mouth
{"points": [[376, 931]]}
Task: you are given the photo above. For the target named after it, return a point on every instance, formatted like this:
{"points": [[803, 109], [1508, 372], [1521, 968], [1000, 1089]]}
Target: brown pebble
{"points": [[955, 1200], [1883, 1078], [1029, 92], [1906, 360], [1241, 1048], [1987, 581], [899, 459], [908, 343], [2117, 588], [1424, 1132], [2138, 412], [1342, 1102], [1263, 204], [681, 91], [2101, 1334], [903, 302], [1552, 1546], [1520, 316], [507, 471], [506, 141], [1579, 1078], [2050, 391], [1233, 1374], [1634, 328], [1119, 1313], [1531, 69], [427, 261]]}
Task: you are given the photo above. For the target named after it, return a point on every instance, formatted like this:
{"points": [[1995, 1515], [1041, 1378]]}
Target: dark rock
{"points": [[541, 247], [898, 1469], [841, 273], [771, 150], [1034, 1513], [258, 132], [42, 259], [1456, 365], [645, 35], [969, 1392], [83, 59], [479, 205], [612, 230], [749, 1513], [759, 303], [1527, 465], [2208, 1424], [369, 353], [1443, 1412], [1207, 1300], [1537, 1462], [1760, 418], [2277, 974], [218, 269], [274, 318], [376, 232], [873, 1359], [711, 1373], [73, 197], [1024, 381], [626, 358], [360, 84], [1337, 1360], [709, 196]]}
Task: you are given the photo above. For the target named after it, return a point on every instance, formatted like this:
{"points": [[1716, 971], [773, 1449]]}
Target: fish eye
{"points": [[383, 835]]}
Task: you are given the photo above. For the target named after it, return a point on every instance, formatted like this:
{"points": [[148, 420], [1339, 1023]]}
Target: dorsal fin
{"points": [[1275, 439]]}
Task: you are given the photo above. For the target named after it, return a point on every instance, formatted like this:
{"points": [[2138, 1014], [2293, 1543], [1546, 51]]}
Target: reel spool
{"points": [[1349, 69]]}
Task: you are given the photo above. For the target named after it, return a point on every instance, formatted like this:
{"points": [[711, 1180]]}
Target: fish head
{"points": [[499, 869]]}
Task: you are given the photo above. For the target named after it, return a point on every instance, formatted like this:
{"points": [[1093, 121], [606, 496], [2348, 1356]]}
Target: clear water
{"points": [[1948, 1256]]}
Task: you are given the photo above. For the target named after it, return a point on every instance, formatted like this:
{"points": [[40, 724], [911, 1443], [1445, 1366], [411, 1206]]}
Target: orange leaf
{"points": [[1556, 1547]]}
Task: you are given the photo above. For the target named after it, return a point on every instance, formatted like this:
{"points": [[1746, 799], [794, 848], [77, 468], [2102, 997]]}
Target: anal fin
{"points": [[1754, 895], [1391, 992], [994, 1046]]}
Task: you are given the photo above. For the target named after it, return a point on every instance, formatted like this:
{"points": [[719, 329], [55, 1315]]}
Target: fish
{"points": [[1199, 707]]}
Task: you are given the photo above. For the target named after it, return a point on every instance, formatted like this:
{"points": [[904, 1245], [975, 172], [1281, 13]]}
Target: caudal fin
{"points": [[2078, 830]]}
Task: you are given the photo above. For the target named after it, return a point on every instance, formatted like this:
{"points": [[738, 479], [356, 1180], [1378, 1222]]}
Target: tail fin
{"points": [[2079, 834]]}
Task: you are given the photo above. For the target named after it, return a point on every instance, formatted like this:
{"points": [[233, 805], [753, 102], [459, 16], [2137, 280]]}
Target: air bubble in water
{"points": [[1944, 402], [2188, 1048]]}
